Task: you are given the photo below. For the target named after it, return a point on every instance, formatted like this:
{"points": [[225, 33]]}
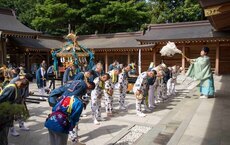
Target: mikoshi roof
{"points": [[112, 41], [42, 44], [65, 52], [181, 31], [10, 25], [72, 48]]}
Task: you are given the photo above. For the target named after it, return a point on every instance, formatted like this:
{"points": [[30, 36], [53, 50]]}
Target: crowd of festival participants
{"points": [[79, 88], [152, 87]]}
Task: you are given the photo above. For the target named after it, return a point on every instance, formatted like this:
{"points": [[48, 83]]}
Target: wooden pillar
{"points": [[154, 56], [217, 64], [48, 59], [139, 61], [1, 49], [128, 58], [4, 51], [27, 64], [106, 62], [1, 52], [183, 59]]}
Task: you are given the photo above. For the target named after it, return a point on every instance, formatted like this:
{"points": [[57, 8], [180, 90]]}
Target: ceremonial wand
{"points": [[170, 49]]}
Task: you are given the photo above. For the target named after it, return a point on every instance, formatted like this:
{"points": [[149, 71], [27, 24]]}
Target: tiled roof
{"points": [[10, 24], [181, 31], [116, 40], [45, 44]]}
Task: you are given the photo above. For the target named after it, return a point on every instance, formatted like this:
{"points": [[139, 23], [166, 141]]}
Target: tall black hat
{"points": [[205, 49]]}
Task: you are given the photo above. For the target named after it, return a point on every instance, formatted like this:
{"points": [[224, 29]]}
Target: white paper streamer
{"points": [[170, 49]]}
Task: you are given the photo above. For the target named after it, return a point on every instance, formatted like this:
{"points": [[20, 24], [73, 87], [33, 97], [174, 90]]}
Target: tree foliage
{"points": [[113, 16], [53, 17], [171, 11], [90, 16], [101, 16]]}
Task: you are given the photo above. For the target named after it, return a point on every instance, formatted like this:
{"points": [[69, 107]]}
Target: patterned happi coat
{"points": [[108, 92], [123, 85], [141, 83], [96, 96]]}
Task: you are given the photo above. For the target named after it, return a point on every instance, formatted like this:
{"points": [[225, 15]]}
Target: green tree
{"points": [[106, 16], [84, 16], [53, 17], [168, 11]]}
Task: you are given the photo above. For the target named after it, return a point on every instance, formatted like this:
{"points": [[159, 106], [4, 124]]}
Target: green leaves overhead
{"points": [[118, 16], [171, 11], [53, 17], [101, 16]]}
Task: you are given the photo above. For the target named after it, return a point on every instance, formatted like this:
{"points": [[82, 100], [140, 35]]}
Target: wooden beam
{"points": [[106, 62], [216, 10], [217, 64]]}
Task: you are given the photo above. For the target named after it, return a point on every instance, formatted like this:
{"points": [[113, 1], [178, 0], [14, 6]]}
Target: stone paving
{"points": [[210, 123], [113, 129]]}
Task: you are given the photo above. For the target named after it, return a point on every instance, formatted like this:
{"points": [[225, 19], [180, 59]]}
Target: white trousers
{"points": [[151, 97], [41, 91], [171, 87], [122, 97], [96, 96], [108, 103]]}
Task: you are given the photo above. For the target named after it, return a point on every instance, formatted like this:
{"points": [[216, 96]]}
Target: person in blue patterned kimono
{"points": [[41, 77], [12, 95], [200, 69], [108, 91], [84, 76], [96, 97], [69, 74], [66, 113], [123, 85], [140, 90], [113, 65], [24, 93]]}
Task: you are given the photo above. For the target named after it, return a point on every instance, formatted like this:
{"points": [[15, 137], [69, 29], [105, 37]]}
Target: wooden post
{"points": [[106, 62], [27, 60], [154, 56], [1, 52], [1, 49], [139, 61], [217, 64], [183, 59], [128, 60], [48, 60], [4, 51]]}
